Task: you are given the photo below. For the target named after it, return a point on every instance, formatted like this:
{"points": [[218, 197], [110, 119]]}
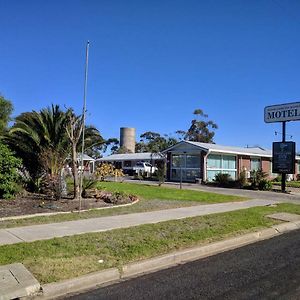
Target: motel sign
{"points": [[282, 112], [283, 157]]}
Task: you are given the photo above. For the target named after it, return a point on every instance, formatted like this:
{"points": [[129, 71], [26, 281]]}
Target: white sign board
{"points": [[282, 112]]}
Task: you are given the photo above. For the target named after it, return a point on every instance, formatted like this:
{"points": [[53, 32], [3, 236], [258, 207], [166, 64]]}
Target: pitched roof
{"points": [[215, 148], [255, 151], [85, 157], [131, 156]]}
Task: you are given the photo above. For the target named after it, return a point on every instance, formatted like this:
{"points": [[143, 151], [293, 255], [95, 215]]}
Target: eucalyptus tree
{"points": [[92, 138], [201, 129], [6, 109]]}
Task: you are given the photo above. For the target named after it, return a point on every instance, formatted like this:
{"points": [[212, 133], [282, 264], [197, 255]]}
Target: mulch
{"points": [[35, 203]]}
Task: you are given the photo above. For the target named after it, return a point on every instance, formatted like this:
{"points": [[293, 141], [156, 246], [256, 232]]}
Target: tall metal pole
{"points": [[283, 175], [83, 118]]}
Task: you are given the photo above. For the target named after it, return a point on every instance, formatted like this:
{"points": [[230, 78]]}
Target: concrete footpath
{"points": [[49, 231]]}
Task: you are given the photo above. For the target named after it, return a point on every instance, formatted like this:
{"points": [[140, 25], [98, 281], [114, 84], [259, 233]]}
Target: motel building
{"points": [[202, 161]]}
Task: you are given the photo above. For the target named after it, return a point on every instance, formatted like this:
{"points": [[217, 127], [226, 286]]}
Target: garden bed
{"points": [[36, 204]]}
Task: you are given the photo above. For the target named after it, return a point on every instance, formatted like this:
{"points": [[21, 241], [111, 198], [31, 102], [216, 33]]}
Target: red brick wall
{"points": [[244, 162], [265, 165]]}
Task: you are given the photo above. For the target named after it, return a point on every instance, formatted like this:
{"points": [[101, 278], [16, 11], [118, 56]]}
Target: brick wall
{"points": [[266, 165]]}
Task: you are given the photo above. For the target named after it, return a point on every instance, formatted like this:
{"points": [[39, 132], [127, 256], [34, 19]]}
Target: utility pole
{"points": [[83, 119]]}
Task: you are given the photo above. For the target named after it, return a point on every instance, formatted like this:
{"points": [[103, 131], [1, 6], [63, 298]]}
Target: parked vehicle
{"points": [[144, 167]]}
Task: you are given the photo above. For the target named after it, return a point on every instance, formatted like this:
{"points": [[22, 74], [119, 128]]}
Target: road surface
{"points": [[266, 270]]}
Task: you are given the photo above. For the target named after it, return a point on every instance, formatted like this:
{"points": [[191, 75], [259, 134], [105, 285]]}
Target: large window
{"points": [[217, 163], [185, 167], [214, 161]]}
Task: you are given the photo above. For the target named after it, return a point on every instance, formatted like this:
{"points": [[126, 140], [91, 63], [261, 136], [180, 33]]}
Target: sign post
{"points": [[283, 175], [283, 152]]}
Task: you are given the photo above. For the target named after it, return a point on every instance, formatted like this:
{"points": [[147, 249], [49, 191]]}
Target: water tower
{"points": [[127, 138]]}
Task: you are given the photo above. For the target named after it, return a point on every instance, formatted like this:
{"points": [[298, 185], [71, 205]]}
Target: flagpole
{"points": [[83, 118]]}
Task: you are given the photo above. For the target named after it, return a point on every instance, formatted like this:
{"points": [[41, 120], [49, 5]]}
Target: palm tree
{"points": [[39, 138], [45, 139]]}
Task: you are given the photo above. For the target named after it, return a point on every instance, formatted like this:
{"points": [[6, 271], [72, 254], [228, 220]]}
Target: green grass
{"points": [[152, 198], [63, 258], [294, 184], [141, 206], [155, 192]]}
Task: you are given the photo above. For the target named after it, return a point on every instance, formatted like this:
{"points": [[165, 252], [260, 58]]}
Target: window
{"points": [[219, 163], [211, 175], [255, 164], [185, 166], [193, 161], [214, 161], [118, 164], [127, 163], [176, 159], [229, 162]]}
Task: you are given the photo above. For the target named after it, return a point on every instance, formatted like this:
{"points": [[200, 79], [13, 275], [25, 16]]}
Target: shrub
{"points": [[88, 183], [223, 179], [161, 174], [108, 170], [277, 179], [8, 173], [265, 185], [256, 176], [242, 181]]}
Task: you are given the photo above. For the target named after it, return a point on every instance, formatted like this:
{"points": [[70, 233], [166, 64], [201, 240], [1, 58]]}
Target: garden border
{"points": [[63, 212]]}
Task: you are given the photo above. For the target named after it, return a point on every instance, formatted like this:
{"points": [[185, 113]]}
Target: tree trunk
{"points": [[75, 172]]}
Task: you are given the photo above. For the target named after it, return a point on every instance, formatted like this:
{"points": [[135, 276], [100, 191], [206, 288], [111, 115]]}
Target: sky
{"points": [[153, 62]]}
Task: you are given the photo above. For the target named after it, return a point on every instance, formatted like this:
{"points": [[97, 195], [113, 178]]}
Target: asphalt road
{"points": [[265, 270]]}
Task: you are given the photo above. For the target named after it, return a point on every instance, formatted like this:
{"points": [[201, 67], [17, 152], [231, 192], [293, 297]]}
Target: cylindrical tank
{"points": [[127, 138]]}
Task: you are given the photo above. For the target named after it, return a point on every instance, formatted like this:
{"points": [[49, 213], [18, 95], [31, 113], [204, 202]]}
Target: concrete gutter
{"points": [[109, 276]]}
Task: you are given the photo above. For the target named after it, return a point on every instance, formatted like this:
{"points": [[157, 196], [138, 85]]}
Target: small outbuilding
{"points": [[127, 161]]}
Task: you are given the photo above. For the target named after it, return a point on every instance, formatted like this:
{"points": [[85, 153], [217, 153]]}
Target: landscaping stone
{"points": [[16, 282]]}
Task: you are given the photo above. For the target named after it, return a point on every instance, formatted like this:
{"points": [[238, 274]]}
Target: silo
{"points": [[127, 138]]}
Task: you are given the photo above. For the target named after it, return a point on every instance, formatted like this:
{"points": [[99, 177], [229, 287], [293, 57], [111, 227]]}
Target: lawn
{"points": [[152, 198], [63, 258], [156, 192]]}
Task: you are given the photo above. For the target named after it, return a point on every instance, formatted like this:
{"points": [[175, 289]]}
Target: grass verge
{"points": [[145, 191], [63, 258]]}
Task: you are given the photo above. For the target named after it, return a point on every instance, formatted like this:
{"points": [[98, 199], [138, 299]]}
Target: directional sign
{"points": [[284, 157], [282, 112]]}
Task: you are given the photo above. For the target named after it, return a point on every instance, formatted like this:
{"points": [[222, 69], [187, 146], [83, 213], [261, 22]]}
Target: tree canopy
{"points": [[41, 139], [153, 142], [201, 129], [6, 109]]}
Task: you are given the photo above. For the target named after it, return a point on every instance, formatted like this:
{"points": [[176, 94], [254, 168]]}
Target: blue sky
{"points": [[153, 62]]}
